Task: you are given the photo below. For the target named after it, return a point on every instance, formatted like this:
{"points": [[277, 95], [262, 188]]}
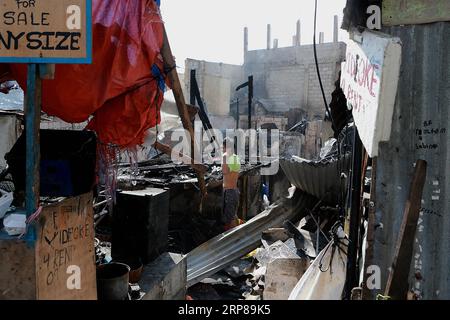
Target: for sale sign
{"points": [[46, 31]]}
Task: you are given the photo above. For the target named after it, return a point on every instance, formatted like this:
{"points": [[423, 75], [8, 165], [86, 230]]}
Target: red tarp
{"points": [[119, 88]]}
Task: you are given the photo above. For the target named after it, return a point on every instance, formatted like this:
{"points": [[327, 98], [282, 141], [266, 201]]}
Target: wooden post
{"points": [[32, 124], [172, 74], [36, 72], [397, 284]]}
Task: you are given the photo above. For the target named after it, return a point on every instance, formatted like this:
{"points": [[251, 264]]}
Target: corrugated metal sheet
{"points": [[420, 130], [222, 250], [318, 178]]}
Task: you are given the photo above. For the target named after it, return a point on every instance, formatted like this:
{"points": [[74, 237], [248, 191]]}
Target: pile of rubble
{"points": [[271, 271]]}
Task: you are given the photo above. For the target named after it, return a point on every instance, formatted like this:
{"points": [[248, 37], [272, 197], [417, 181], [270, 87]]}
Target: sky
{"points": [[213, 30]]}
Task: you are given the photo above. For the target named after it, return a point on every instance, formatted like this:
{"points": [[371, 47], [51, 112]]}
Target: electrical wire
{"points": [[317, 67], [327, 108]]}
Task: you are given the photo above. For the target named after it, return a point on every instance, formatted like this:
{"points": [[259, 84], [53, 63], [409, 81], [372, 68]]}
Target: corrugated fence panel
{"points": [[421, 130]]}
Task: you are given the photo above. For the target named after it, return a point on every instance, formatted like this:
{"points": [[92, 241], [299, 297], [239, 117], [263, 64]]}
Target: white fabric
{"points": [[15, 224]]}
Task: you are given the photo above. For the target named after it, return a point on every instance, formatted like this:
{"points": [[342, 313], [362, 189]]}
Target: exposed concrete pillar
{"points": [[305, 87], [298, 34], [321, 37], [245, 40], [269, 36], [336, 29], [275, 43]]}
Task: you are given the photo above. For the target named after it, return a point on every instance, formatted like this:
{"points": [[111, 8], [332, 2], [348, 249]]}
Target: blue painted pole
{"points": [[32, 125]]}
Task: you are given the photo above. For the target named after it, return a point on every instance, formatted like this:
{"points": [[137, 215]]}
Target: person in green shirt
{"points": [[231, 166]]}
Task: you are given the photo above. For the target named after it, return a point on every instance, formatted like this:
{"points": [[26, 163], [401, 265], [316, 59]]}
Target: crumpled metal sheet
{"points": [[219, 252], [321, 179]]}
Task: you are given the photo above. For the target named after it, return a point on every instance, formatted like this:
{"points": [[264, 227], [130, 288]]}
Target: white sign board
{"points": [[369, 79]]}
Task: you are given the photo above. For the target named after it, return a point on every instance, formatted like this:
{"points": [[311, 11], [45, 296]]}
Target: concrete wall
{"points": [[217, 83], [286, 78]]}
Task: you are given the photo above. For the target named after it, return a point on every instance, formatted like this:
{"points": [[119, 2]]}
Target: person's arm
{"points": [[225, 168]]}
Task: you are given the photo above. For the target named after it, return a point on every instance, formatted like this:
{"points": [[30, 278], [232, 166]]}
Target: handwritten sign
{"points": [[46, 31], [369, 80], [65, 257]]}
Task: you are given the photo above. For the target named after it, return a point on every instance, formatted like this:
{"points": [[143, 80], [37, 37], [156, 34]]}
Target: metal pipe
{"points": [[250, 101]]}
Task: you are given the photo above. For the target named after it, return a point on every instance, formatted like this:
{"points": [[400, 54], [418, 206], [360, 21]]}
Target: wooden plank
{"points": [[172, 74], [397, 284], [399, 12], [66, 238]]}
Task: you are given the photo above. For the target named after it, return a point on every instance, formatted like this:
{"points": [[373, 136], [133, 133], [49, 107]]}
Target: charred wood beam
{"points": [[170, 69]]}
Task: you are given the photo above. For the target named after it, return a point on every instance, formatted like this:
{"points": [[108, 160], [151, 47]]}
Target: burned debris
{"points": [[306, 172]]}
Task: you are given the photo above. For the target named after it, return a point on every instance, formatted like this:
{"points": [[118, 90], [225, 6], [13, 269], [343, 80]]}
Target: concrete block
{"points": [[165, 278], [281, 277]]}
